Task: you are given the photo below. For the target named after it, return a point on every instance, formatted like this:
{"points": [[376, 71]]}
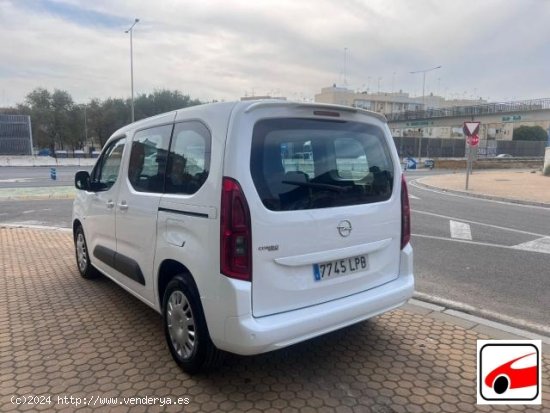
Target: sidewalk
{"points": [[520, 186], [35, 193], [61, 335], [6, 161]]}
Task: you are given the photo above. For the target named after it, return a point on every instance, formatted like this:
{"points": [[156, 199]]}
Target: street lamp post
{"points": [[130, 30], [423, 101], [85, 106], [85, 124]]}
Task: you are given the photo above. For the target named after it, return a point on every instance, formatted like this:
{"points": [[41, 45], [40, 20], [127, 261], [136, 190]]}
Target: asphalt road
{"points": [[492, 256], [49, 212]]}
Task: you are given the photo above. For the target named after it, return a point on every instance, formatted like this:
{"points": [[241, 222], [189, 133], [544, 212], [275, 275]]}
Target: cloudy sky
{"points": [[495, 49]]}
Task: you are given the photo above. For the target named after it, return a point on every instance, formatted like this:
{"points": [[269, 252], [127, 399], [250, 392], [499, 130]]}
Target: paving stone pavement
{"points": [[61, 335]]}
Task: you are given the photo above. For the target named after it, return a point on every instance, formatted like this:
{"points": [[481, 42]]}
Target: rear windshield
{"points": [[308, 163]]}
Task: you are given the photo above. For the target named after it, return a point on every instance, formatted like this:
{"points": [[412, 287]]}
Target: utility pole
{"points": [[424, 71], [131, 31], [345, 66]]}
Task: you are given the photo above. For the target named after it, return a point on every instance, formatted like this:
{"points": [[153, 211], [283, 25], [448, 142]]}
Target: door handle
{"points": [[110, 204], [123, 206]]}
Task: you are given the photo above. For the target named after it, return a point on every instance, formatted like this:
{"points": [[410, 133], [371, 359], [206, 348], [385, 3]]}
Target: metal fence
{"points": [[456, 148], [15, 135], [431, 147], [521, 148]]}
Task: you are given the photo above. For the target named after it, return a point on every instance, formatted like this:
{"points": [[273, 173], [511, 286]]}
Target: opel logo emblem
{"points": [[344, 228]]}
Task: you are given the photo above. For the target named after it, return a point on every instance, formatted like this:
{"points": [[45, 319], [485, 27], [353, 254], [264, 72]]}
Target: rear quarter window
{"points": [[189, 158], [301, 164]]}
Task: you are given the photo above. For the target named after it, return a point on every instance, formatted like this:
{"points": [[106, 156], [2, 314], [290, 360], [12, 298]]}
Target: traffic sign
{"points": [[471, 128], [473, 140]]}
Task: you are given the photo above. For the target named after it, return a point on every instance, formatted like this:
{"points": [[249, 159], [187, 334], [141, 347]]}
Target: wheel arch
{"points": [[168, 269], [76, 224]]}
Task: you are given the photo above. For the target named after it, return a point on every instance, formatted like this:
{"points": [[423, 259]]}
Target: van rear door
{"points": [[327, 222]]}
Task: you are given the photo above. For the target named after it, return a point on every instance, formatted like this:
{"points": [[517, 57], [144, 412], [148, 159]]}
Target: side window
{"points": [[106, 171], [147, 164], [189, 158]]}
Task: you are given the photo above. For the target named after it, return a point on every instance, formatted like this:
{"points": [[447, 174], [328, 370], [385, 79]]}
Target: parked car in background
{"points": [[429, 163], [504, 155], [45, 152]]}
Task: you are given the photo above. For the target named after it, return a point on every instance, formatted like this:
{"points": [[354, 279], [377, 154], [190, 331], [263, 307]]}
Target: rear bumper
{"points": [[248, 335]]}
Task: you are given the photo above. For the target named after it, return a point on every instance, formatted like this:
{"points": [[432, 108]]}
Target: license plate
{"points": [[337, 268]]}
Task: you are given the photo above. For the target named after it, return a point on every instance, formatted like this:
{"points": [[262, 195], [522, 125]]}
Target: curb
{"points": [[36, 227], [45, 163], [35, 197], [509, 324], [419, 182], [494, 330]]}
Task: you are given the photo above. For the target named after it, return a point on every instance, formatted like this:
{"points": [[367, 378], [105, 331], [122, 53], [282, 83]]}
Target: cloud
{"points": [[72, 12], [224, 49]]}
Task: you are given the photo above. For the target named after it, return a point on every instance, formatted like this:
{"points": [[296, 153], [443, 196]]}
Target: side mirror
{"points": [[82, 180]]}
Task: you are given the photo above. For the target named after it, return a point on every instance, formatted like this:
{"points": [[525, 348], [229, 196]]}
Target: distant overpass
{"points": [[497, 119]]}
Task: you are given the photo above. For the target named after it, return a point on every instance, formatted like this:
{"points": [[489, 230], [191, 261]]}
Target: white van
{"points": [[207, 215]]}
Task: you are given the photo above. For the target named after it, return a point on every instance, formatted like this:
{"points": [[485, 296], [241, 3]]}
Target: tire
{"points": [[83, 263], [185, 328]]}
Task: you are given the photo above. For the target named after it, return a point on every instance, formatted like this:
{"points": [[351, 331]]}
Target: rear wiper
{"points": [[330, 187]]}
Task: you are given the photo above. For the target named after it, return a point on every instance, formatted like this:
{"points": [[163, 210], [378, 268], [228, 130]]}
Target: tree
{"points": [[38, 106], [53, 118], [108, 116], [58, 123], [161, 101], [530, 133], [64, 127]]}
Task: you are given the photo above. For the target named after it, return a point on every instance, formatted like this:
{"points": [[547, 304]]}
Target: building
{"points": [[443, 119], [15, 135], [377, 102], [385, 102]]}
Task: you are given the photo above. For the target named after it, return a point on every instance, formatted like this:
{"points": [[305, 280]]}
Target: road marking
{"points": [[15, 180], [460, 230], [463, 241], [480, 223], [412, 183], [537, 245], [413, 196], [30, 211]]}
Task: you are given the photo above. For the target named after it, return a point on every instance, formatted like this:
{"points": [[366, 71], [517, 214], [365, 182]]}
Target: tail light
{"points": [[405, 214], [235, 232]]}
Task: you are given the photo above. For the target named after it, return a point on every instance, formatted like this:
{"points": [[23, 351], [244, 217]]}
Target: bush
{"points": [[529, 133]]}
